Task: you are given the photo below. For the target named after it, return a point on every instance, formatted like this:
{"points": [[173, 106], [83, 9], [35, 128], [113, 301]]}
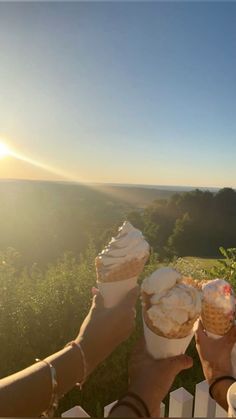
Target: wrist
{"points": [[130, 404], [88, 353], [83, 367], [122, 411], [153, 403], [212, 375], [219, 388]]}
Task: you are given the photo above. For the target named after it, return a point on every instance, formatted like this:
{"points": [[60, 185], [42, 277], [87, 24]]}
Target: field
{"points": [[203, 263]]}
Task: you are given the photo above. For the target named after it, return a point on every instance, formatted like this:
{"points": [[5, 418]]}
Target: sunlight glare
{"points": [[4, 151]]}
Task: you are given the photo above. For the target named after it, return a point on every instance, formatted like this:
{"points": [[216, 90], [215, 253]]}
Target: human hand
{"points": [[215, 354], [152, 379], [105, 328]]}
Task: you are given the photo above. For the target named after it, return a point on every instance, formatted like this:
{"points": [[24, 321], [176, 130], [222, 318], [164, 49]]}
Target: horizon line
{"points": [[154, 186]]}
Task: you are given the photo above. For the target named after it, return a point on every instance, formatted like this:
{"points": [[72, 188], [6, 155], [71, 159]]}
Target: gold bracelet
{"points": [[53, 405], [74, 344]]}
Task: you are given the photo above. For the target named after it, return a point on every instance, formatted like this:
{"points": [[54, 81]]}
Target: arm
{"points": [[219, 392], [215, 357], [150, 380], [28, 392]]}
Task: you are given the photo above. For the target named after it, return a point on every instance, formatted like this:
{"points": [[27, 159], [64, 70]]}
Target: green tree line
{"points": [[190, 224]]}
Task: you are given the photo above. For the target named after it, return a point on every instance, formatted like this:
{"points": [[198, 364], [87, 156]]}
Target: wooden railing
{"points": [[182, 404]]}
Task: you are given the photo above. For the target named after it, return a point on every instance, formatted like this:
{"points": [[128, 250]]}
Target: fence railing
{"points": [[182, 404]]}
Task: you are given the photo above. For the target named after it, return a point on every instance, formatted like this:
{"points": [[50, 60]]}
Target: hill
{"points": [[42, 219]]}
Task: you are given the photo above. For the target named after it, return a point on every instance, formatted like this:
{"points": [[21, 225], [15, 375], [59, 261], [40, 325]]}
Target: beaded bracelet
{"points": [[217, 380], [54, 397], [74, 344]]}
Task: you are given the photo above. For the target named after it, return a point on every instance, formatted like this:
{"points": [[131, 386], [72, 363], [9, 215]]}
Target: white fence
{"points": [[182, 404]]}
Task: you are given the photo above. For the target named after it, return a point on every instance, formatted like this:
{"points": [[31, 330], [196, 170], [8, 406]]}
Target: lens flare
{"points": [[4, 151]]}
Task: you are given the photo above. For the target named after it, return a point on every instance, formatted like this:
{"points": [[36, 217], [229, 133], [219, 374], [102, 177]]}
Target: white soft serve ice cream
{"points": [[127, 245], [219, 293], [172, 303], [124, 257]]}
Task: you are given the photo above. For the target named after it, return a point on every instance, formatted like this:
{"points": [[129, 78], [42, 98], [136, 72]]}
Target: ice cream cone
{"points": [[218, 307], [214, 319], [114, 292], [128, 269], [218, 311], [196, 283], [160, 347], [170, 310], [120, 263], [184, 330]]}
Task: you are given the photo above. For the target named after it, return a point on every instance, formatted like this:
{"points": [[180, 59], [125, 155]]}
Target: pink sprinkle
{"points": [[227, 290]]}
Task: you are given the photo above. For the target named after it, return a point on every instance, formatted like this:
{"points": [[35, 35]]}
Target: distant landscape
{"points": [[50, 233], [44, 219]]}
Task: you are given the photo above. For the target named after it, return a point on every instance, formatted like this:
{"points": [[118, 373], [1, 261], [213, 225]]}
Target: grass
{"points": [[203, 263]]}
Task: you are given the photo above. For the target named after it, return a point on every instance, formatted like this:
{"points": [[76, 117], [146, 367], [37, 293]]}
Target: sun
{"points": [[4, 151]]}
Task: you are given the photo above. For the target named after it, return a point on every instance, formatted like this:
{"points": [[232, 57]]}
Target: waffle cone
{"points": [[215, 320], [184, 331], [127, 270], [196, 283]]}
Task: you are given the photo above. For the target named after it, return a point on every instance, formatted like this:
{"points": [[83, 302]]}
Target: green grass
{"points": [[203, 263], [199, 268]]}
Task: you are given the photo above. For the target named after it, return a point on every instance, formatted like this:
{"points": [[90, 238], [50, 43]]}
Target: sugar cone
{"points": [[196, 283], [215, 320], [127, 270], [115, 284]]}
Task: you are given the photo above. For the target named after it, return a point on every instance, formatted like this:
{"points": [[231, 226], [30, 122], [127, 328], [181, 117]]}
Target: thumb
{"points": [[98, 301], [200, 334], [181, 362], [94, 291], [230, 337]]}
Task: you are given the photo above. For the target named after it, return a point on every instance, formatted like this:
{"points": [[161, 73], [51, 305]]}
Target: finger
{"points": [[94, 291], [181, 362], [230, 337], [131, 297], [98, 301], [200, 334]]}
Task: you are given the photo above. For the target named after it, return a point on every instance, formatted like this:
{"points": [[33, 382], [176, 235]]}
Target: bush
{"points": [[42, 310]]}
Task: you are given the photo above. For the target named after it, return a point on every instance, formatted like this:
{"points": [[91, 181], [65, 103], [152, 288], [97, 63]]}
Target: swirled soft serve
{"points": [[124, 257]]}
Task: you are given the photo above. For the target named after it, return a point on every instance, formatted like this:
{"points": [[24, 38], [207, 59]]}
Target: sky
{"points": [[119, 92]]}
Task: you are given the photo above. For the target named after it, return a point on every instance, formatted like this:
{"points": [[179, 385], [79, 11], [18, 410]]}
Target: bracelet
{"points": [[54, 397], [74, 344], [138, 398], [127, 404], [217, 380]]}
